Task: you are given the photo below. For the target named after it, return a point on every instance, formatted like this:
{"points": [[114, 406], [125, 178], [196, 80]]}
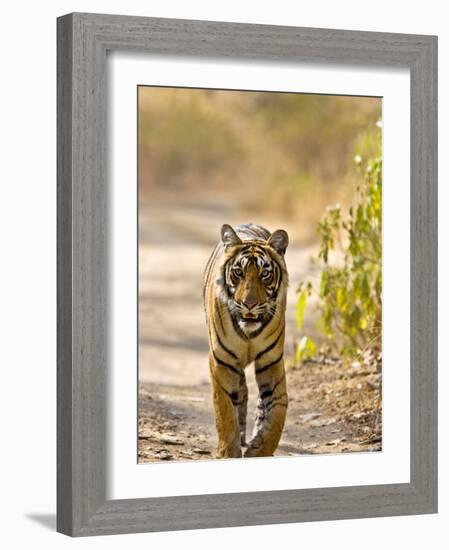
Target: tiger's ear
{"points": [[229, 236], [279, 241]]}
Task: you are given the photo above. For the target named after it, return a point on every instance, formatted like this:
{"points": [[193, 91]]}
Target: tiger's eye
{"points": [[265, 273], [238, 272]]}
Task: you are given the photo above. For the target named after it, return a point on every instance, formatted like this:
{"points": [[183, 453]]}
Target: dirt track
{"points": [[333, 407]]}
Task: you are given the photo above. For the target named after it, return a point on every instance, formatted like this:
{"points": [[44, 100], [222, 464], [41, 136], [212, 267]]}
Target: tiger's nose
{"points": [[249, 303]]}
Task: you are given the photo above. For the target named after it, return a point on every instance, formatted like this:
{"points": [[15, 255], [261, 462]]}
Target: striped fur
{"points": [[245, 288]]}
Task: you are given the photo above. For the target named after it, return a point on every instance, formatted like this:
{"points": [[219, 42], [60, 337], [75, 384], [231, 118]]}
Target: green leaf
{"points": [[341, 297], [305, 349], [300, 308]]}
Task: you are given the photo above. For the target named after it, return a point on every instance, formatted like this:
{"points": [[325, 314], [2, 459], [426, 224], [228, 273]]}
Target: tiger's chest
{"points": [[247, 347]]}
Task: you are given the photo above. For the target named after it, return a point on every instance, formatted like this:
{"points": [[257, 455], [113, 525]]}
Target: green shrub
{"points": [[350, 290]]}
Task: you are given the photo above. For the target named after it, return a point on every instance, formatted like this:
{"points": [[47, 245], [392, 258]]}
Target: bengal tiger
{"points": [[245, 291]]}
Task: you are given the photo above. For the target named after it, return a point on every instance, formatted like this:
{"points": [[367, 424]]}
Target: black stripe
{"points": [[275, 403], [281, 379], [218, 310], [235, 399], [266, 367], [237, 328], [274, 399], [231, 353], [233, 396], [266, 408], [246, 249], [279, 276], [277, 284], [270, 391], [278, 405], [225, 276], [258, 251], [227, 365], [270, 347]]}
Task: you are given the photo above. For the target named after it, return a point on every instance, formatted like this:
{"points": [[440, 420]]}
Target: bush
{"points": [[350, 290]]}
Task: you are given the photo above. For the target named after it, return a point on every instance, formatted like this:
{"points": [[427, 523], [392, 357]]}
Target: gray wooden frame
{"points": [[83, 40]]}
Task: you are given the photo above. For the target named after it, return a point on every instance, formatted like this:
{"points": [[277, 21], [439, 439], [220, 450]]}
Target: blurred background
{"points": [[264, 155], [208, 157]]}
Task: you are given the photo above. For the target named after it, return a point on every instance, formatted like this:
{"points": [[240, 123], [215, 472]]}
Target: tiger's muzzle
{"points": [[252, 313]]}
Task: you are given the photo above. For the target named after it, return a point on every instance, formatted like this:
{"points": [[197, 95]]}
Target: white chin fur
{"points": [[249, 327]]}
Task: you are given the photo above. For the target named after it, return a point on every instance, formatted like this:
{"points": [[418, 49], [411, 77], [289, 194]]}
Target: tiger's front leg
{"points": [[242, 409], [271, 409], [227, 398]]}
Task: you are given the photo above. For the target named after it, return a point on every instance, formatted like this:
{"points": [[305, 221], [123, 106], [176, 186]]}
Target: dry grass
{"points": [[288, 155]]}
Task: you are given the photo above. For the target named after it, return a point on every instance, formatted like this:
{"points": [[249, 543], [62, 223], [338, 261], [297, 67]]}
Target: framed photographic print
{"points": [[247, 280]]}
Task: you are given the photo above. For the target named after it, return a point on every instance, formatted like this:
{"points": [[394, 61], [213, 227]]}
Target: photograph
{"points": [[259, 274], [246, 317]]}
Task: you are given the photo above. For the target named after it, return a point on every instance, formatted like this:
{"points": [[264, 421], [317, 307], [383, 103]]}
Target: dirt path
{"points": [[333, 407]]}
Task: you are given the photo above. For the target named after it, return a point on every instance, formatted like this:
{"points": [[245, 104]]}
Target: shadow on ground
{"points": [[46, 520]]}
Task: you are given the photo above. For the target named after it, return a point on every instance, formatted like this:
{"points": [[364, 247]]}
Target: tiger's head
{"points": [[254, 276]]}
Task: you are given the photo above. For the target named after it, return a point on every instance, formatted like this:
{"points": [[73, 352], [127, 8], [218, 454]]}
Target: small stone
{"points": [[321, 423], [335, 441], [310, 416], [201, 451], [145, 435], [168, 440], [165, 456]]}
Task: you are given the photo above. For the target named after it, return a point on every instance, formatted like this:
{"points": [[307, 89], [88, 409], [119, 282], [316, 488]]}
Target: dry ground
{"points": [[334, 406]]}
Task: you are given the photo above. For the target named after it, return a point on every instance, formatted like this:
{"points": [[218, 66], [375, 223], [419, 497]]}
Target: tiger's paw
{"points": [[228, 452], [252, 452], [257, 447]]}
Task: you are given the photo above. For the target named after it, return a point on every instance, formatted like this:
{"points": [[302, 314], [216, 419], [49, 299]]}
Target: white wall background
{"points": [[28, 267]]}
